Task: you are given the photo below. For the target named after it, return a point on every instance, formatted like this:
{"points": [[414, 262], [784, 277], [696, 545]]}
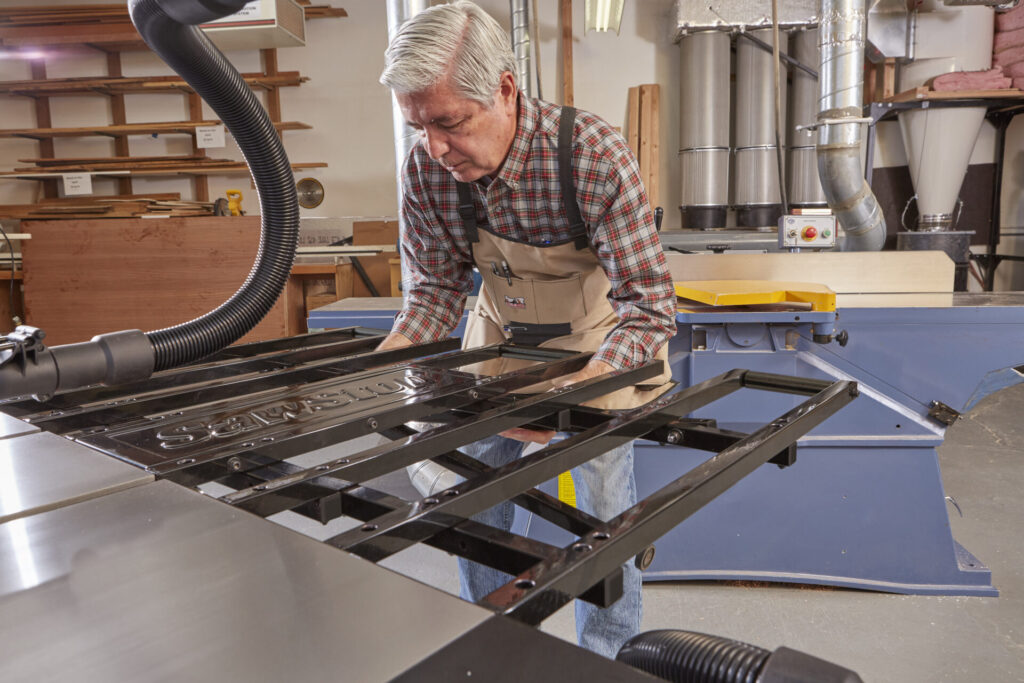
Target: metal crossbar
{"points": [[236, 418]]}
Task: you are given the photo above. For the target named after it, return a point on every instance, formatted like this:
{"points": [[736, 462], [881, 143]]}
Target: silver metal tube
{"points": [[804, 186], [841, 92], [400, 11], [704, 128], [757, 197], [430, 478], [520, 10]]}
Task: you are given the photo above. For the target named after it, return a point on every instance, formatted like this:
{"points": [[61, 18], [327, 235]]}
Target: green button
{"points": [[827, 233]]}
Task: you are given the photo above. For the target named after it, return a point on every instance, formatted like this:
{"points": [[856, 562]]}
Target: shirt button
{"points": [[513, 184]]}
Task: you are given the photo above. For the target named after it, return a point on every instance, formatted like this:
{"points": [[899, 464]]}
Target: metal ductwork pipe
{"points": [[520, 10], [704, 129], [400, 11], [841, 92], [426, 473], [804, 187], [758, 199]]}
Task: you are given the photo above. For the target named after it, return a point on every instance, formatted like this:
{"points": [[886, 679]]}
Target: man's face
{"points": [[465, 137]]}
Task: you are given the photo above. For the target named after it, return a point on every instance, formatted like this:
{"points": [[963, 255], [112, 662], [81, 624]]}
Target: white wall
{"points": [[351, 113]]}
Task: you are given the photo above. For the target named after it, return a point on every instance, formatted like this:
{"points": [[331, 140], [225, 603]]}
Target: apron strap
{"points": [[467, 211], [577, 228]]}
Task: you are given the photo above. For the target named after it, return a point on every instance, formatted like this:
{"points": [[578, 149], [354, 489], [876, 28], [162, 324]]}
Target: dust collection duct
{"points": [[757, 197], [837, 113], [939, 142], [802, 170], [427, 476], [398, 12], [520, 11], [704, 129], [840, 131]]}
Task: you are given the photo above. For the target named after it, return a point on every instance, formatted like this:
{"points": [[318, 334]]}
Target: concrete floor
{"points": [[883, 637]]}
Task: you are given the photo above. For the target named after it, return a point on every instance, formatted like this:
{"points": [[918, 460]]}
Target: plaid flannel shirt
{"points": [[524, 204]]}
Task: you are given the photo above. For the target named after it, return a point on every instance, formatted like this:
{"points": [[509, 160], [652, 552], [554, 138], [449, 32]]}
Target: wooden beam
{"points": [[646, 149], [158, 128], [200, 183], [633, 122], [117, 114], [650, 96], [43, 120], [565, 20], [133, 84], [888, 78], [273, 97]]}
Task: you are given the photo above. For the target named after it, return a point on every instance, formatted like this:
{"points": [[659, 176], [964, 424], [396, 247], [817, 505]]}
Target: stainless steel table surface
{"points": [[42, 471], [160, 583], [12, 426]]}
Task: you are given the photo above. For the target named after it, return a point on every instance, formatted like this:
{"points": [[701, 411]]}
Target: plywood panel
{"points": [[369, 233], [843, 272], [86, 277]]}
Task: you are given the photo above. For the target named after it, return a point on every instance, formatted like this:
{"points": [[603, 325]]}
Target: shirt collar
{"points": [[526, 125]]}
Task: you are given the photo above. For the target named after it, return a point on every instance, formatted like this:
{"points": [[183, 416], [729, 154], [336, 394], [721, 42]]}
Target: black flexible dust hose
{"points": [[191, 54], [688, 657], [693, 657]]}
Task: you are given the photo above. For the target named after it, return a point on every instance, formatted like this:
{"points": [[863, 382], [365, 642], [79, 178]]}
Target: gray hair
{"points": [[458, 40]]}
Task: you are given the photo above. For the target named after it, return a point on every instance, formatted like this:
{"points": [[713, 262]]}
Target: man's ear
{"points": [[508, 93]]}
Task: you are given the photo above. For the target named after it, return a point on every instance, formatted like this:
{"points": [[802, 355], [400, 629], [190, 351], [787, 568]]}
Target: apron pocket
{"points": [[513, 297], [562, 299], [533, 335]]}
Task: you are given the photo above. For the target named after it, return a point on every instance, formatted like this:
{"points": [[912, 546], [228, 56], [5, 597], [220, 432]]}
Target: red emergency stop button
{"points": [[809, 233]]}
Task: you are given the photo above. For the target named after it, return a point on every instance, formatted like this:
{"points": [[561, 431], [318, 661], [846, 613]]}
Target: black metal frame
{"points": [[285, 401]]}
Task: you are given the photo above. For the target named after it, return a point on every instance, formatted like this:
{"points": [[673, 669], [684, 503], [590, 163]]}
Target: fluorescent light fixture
{"points": [[602, 15], [22, 54]]}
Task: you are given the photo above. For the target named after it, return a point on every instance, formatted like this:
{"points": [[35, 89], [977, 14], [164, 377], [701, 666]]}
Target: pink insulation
{"points": [[1012, 20], [1004, 40], [1006, 57], [993, 79], [1008, 45], [1015, 70]]}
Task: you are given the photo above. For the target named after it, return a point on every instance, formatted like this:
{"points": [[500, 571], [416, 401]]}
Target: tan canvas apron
{"points": [[552, 295]]}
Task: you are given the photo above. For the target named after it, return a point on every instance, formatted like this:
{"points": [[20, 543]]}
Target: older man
{"points": [[547, 203]]}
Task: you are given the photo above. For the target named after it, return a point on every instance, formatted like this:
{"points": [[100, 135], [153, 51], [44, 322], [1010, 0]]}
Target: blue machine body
{"points": [[864, 505]]}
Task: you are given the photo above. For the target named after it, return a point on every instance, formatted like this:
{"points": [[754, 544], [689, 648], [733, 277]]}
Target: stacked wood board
{"points": [[112, 206], [643, 136]]}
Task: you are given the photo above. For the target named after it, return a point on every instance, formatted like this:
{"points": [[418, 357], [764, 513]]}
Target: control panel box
{"points": [[807, 232]]}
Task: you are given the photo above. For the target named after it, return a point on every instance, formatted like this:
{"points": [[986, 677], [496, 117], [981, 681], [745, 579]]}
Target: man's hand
{"points": [[592, 369], [394, 340]]}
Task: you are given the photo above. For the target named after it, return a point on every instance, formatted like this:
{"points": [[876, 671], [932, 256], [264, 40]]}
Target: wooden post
{"points": [[643, 130], [200, 182], [343, 280], [650, 101], [888, 77], [269, 57], [565, 10], [633, 123], [117, 111], [42, 105]]}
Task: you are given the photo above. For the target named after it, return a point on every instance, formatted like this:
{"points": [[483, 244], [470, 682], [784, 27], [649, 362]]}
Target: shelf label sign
{"points": [[77, 183], [252, 10], [209, 136]]}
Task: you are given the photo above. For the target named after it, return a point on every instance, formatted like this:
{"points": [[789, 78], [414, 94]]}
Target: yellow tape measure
{"points": [[566, 489]]}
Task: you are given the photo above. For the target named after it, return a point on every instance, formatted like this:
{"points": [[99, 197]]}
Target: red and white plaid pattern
{"points": [[524, 204]]}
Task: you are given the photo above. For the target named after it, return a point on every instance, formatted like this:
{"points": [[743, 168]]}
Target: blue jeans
{"points": [[604, 488]]}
